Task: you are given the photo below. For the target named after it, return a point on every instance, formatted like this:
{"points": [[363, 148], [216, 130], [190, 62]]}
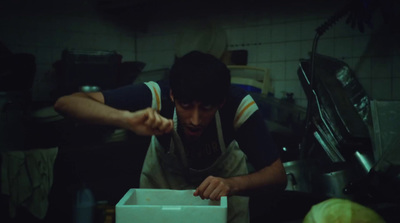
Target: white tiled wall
{"points": [[277, 42], [274, 40]]}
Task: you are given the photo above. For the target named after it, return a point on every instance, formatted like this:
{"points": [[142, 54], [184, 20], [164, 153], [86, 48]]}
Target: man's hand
{"points": [[214, 188], [148, 122], [270, 179]]}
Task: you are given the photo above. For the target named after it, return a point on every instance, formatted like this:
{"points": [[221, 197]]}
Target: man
{"points": [[203, 131]]}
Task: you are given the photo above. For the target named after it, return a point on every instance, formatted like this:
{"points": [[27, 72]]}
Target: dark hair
{"points": [[200, 77]]}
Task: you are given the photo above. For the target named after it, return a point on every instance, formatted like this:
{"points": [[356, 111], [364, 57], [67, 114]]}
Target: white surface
{"points": [[251, 76], [203, 36], [167, 206]]}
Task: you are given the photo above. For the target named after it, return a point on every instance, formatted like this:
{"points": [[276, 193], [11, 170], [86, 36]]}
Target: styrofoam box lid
{"points": [[164, 205]]}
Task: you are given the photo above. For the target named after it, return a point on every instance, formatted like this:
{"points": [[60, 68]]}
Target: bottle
{"points": [[84, 206]]}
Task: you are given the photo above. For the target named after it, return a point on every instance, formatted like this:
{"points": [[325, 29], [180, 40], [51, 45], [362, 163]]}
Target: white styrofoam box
{"points": [[169, 206]]}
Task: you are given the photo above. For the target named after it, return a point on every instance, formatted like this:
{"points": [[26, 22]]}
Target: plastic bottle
{"points": [[84, 206]]}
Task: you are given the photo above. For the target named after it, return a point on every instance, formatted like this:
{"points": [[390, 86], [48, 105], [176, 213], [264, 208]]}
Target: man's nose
{"points": [[195, 119]]}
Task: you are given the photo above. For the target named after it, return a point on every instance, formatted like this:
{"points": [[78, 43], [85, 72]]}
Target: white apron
{"points": [[169, 170]]}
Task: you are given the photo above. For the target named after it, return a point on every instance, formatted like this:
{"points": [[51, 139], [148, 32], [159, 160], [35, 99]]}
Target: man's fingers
{"points": [[149, 122], [208, 191], [158, 123], [196, 192], [215, 194], [166, 125], [212, 188], [203, 186], [207, 188], [151, 117], [141, 117]]}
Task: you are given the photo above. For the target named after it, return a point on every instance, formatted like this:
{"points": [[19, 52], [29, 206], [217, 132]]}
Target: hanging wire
{"points": [[319, 32]]}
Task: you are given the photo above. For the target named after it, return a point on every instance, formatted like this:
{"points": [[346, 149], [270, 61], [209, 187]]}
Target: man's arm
{"points": [[269, 179], [256, 142], [90, 108]]}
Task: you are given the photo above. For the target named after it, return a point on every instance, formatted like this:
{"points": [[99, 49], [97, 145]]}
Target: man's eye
{"points": [[207, 107], [185, 104]]}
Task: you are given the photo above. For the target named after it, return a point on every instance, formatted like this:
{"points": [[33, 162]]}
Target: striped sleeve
{"points": [[156, 95], [246, 108]]}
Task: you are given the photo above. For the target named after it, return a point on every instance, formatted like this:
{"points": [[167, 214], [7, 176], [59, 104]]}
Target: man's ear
{"points": [[171, 95]]}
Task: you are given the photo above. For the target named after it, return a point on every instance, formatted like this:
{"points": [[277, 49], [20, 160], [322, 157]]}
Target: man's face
{"points": [[194, 117]]}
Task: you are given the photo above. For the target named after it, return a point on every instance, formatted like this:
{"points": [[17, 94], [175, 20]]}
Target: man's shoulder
{"points": [[167, 105], [234, 100], [164, 83], [237, 95], [240, 107], [238, 92]]}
